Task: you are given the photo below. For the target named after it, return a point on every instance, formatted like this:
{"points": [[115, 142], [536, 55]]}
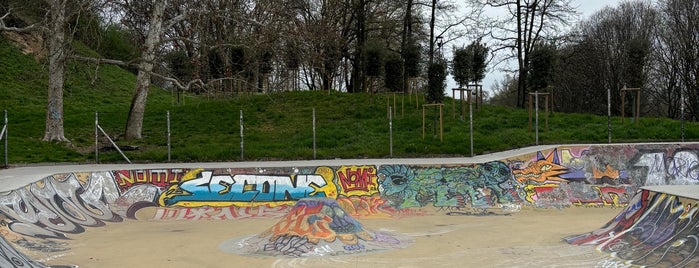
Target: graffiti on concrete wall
{"points": [[597, 176], [665, 235], [358, 194], [680, 167], [474, 186], [63, 204], [220, 213], [10, 257], [357, 180], [622, 221], [656, 229], [573, 176], [201, 187], [161, 178], [316, 227]]}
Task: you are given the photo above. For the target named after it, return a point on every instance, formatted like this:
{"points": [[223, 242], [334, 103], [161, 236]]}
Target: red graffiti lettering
{"points": [[158, 177], [359, 180]]}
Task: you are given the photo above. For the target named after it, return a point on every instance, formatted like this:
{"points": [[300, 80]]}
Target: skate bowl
{"points": [[544, 206]]}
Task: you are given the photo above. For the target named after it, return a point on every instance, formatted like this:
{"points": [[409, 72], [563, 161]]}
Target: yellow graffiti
{"points": [[330, 189], [357, 180], [530, 190]]}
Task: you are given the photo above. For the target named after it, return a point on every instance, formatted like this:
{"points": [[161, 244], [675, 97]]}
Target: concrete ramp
{"points": [[10, 257], [658, 228], [316, 227], [44, 209]]}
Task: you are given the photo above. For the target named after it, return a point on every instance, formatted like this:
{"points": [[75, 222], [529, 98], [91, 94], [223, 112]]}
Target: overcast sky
{"points": [[585, 8]]}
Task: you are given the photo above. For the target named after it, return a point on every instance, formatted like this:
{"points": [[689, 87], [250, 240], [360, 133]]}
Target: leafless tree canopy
{"points": [[229, 47]]}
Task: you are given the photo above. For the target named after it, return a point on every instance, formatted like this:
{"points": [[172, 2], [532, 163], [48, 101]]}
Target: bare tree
{"points": [[676, 58], [57, 57], [55, 27], [528, 22], [618, 35], [156, 30]]}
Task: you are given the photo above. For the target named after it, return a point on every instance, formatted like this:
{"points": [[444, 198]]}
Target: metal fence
{"points": [[98, 130], [100, 133]]}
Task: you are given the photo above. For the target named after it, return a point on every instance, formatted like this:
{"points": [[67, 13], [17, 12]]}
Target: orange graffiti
{"points": [[609, 172], [304, 221], [365, 206], [542, 170]]}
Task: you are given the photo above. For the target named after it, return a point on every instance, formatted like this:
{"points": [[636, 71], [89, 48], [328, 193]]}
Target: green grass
{"points": [[277, 126]]}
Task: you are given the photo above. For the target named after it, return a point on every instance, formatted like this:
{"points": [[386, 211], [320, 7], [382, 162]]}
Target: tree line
{"points": [[651, 46], [239, 46]]}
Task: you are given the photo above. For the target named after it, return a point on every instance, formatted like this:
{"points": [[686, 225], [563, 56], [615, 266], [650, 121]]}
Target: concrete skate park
{"points": [[610, 205]]}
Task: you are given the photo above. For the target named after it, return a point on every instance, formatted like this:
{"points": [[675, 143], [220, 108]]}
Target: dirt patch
{"points": [[29, 43]]}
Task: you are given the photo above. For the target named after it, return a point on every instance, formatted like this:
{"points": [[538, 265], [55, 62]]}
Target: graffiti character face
{"points": [[495, 173], [394, 183], [395, 179], [544, 169]]}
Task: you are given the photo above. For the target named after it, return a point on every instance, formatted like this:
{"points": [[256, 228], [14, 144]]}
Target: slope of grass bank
{"points": [[277, 126]]}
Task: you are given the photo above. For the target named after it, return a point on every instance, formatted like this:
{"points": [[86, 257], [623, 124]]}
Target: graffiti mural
{"points": [[161, 178], [577, 176], [220, 213], [476, 186], [41, 215], [544, 169], [201, 187], [357, 180], [316, 227], [656, 229], [61, 204], [10, 257], [375, 207], [660, 168]]}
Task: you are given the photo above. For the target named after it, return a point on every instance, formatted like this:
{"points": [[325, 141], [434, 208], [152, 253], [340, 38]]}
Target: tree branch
{"points": [[3, 26], [131, 63]]}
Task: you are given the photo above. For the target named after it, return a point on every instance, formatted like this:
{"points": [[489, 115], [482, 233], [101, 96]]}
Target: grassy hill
{"points": [[277, 126]]}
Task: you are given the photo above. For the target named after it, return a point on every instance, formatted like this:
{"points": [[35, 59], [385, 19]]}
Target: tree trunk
{"points": [[57, 57], [134, 124], [358, 75], [432, 10], [407, 33], [522, 75]]}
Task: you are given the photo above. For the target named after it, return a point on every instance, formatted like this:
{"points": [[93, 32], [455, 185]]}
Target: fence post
{"points": [[390, 134], [536, 117], [609, 116], [97, 148], [168, 137], [470, 119], [99, 129], [314, 133], [4, 132], [681, 116], [242, 141]]}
